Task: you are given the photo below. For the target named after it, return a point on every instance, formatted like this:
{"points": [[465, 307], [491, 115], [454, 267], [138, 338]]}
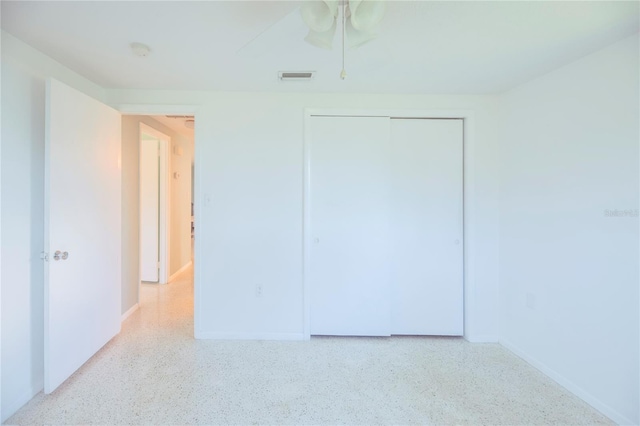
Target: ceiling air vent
{"points": [[296, 75]]}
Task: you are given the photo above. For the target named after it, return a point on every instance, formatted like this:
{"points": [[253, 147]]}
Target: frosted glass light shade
{"points": [[366, 14], [322, 39], [319, 15], [357, 38]]}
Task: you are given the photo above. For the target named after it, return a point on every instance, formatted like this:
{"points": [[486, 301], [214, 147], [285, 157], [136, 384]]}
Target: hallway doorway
{"points": [[157, 207]]}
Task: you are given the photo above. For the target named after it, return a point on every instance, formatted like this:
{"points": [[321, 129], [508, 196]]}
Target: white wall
{"points": [[180, 227], [249, 164], [570, 153], [23, 94], [130, 211]]}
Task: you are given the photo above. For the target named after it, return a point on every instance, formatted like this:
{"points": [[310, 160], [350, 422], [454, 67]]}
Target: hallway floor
{"points": [[154, 372]]}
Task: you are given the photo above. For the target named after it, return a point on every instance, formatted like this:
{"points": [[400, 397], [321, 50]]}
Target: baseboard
{"points": [[482, 338], [248, 336], [570, 386], [26, 396], [130, 311], [179, 271]]}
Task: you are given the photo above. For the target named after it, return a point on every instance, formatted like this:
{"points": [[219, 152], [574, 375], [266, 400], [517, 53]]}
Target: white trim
{"points": [[151, 131], [169, 109], [483, 338], [250, 336], [181, 270], [198, 196], [147, 109], [11, 408], [306, 220], [165, 209], [198, 200], [47, 143], [468, 117], [130, 311], [570, 386], [395, 113]]}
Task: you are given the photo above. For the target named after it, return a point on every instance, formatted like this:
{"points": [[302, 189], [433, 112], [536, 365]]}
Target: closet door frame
{"points": [[468, 145]]}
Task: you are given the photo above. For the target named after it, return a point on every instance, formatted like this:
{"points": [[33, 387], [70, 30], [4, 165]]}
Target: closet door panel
{"points": [[426, 218], [349, 226]]}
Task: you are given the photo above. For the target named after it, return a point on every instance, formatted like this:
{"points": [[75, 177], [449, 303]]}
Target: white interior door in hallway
{"points": [[82, 230], [386, 220], [154, 205], [149, 209]]}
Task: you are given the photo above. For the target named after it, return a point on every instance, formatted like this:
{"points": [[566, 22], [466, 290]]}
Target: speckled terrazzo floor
{"points": [[154, 372]]}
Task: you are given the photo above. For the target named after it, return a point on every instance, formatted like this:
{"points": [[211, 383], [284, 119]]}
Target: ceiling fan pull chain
{"points": [[343, 73]]}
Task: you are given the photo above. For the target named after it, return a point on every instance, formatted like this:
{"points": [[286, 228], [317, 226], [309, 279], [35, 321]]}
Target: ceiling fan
{"points": [[360, 19]]}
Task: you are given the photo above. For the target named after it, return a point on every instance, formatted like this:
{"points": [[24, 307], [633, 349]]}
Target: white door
{"points": [[349, 202], [82, 230], [149, 209], [427, 261]]}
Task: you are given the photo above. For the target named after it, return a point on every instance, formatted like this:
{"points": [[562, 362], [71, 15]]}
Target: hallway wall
{"points": [[181, 161]]}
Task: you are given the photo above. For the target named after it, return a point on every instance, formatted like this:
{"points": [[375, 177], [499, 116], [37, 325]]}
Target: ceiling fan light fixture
{"points": [[319, 15], [357, 38], [366, 15], [323, 39], [139, 49], [359, 19]]}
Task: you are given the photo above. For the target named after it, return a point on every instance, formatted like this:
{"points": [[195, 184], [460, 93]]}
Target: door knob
{"points": [[60, 255]]}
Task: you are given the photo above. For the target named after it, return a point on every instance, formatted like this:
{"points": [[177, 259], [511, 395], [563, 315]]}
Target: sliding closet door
{"points": [[427, 262], [349, 225]]}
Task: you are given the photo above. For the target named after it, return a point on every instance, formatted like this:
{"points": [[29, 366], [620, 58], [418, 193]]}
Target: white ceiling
{"points": [[424, 46], [176, 123]]}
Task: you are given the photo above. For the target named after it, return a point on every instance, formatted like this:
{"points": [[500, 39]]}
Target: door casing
{"points": [[171, 109]]}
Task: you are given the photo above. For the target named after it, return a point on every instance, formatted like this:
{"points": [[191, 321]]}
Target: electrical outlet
{"points": [[258, 290], [531, 301]]}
